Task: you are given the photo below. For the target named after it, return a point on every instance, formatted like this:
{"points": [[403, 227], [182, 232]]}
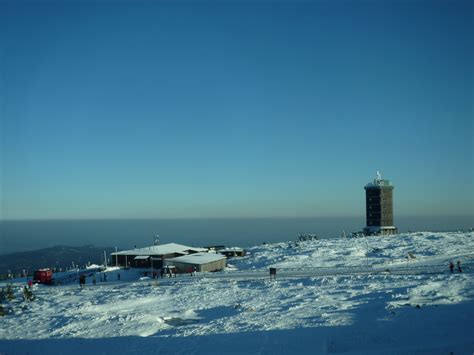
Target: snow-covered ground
{"points": [[376, 295]]}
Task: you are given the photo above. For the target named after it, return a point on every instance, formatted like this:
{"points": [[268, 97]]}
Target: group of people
{"points": [[451, 266], [102, 278]]}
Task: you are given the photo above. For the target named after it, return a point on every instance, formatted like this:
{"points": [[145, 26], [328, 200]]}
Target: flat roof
{"points": [[379, 183], [161, 249], [198, 258]]}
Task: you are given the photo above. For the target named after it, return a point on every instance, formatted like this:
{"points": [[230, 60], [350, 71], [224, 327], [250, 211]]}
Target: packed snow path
{"points": [[410, 269]]}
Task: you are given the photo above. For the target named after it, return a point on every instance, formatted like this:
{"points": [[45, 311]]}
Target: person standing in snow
{"points": [[459, 266], [451, 266], [82, 281], [118, 276]]}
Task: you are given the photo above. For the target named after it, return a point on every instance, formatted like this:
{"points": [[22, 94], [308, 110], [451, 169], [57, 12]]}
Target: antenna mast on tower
{"points": [[379, 177]]}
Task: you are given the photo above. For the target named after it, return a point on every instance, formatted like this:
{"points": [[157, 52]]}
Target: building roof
{"points": [[199, 258], [161, 249]]}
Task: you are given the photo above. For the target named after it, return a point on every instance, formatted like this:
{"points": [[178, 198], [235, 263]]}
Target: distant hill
{"points": [[60, 256]]}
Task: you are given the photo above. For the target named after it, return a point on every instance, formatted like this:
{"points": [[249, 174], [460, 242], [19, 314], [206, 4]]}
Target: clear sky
{"points": [[138, 109]]}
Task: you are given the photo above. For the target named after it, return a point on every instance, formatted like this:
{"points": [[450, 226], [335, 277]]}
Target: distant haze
{"points": [[125, 234]]}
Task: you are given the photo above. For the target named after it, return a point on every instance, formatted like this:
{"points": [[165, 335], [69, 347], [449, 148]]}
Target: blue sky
{"points": [[121, 109]]}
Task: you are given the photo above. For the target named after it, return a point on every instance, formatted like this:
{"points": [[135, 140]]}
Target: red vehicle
{"points": [[43, 276]]}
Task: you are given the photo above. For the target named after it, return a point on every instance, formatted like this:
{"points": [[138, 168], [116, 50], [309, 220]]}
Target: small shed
{"points": [[232, 252], [215, 247], [198, 262]]}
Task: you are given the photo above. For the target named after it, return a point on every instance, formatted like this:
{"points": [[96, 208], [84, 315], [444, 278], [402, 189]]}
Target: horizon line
{"points": [[41, 219]]}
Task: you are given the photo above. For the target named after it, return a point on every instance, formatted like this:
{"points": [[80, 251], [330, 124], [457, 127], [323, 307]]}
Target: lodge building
{"points": [[152, 256], [182, 257]]}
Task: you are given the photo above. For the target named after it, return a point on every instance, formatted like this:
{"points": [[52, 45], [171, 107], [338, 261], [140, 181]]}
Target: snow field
{"points": [[362, 313]]}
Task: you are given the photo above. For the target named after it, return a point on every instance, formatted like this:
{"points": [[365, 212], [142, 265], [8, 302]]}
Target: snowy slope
{"points": [[353, 296]]}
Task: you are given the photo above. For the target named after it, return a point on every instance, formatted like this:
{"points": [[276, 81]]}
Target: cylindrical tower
{"points": [[379, 207]]}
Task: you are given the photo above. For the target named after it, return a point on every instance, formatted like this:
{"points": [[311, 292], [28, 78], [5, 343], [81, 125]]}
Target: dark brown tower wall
{"points": [[379, 206]]}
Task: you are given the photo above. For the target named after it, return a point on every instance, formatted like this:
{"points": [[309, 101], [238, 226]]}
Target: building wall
{"points": [[181, 268], [379, 206], [128, 260], [188, 268], [214, 266]]}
